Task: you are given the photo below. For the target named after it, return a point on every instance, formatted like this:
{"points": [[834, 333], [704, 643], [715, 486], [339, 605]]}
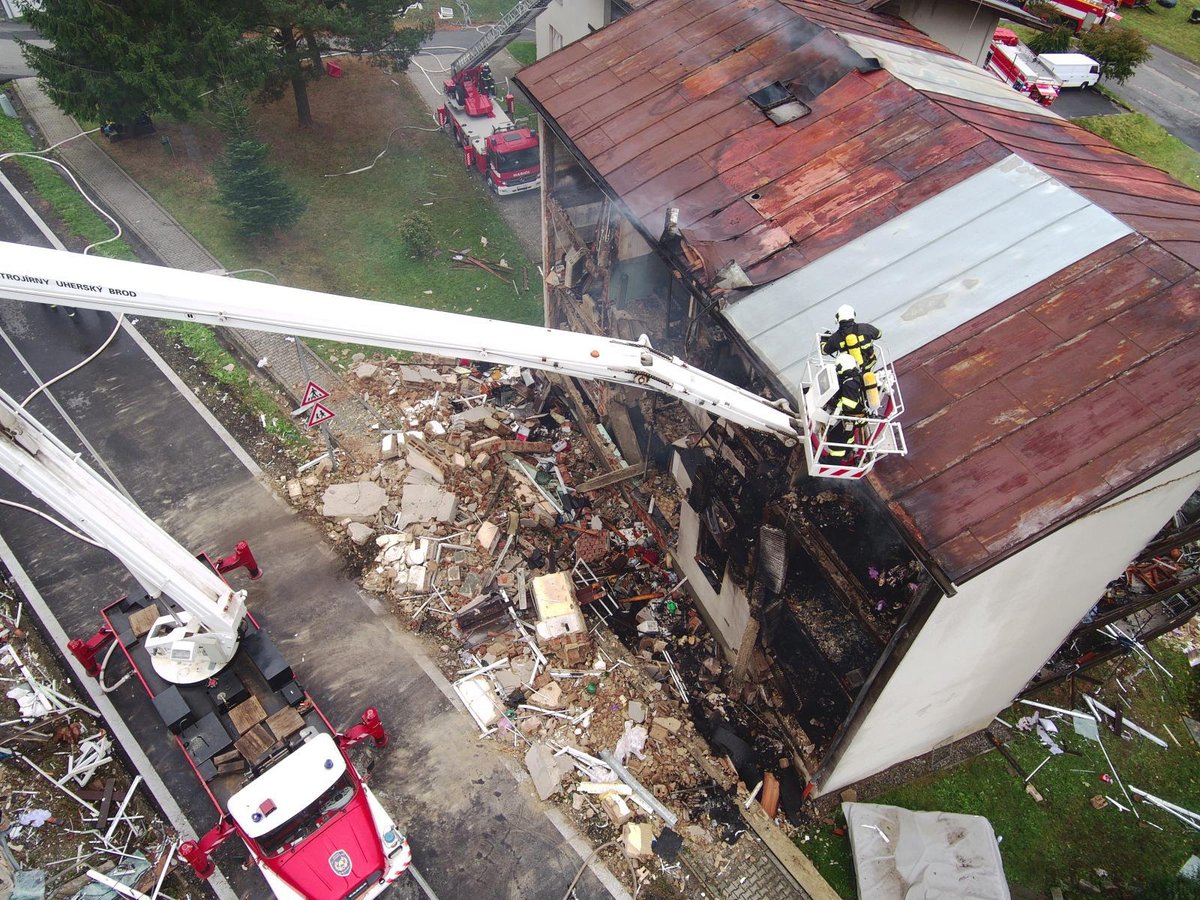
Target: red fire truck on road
{"points": [[1014, 63], [503, 150]]}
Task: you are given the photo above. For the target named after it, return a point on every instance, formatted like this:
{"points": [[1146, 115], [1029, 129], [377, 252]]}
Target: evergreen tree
{"points": [[115, 61], [252, 190]]}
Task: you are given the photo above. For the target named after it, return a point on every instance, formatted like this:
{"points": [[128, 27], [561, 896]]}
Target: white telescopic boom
{"points": [[54, 276], [60, 478]]}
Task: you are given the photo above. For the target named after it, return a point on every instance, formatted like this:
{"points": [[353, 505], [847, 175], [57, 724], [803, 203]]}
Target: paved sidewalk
{"points": [[172, 246], [746, 871]]}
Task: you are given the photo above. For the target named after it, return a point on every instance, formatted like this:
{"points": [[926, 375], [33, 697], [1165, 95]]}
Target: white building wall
{"points": [[566, 21], [726, 612], [980, 647], [963, 27]]}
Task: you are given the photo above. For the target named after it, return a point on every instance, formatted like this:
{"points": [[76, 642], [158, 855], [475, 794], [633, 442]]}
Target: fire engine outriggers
{"points": [[275, 768]]}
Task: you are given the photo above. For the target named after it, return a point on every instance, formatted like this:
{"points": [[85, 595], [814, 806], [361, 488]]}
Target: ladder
{"points": [[500, 35]]}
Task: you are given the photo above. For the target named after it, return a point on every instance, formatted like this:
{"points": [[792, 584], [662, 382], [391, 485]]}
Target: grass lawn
{"points": [[59, 195], [483, 11], [524, 52], [1064, 839], [1147, 140], [1168, 28], [348, 240]]}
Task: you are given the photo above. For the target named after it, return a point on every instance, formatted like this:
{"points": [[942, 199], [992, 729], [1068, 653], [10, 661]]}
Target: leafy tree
{"points": [[115, 61], [252, 190], [1118, 50], [1056, 40], [302, 29]]}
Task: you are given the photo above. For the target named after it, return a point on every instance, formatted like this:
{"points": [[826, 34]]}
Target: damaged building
{"points": [[721, 177]]}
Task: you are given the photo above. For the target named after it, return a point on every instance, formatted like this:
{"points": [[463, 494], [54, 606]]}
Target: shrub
{"points": [[1056, 40], [416, 231]]}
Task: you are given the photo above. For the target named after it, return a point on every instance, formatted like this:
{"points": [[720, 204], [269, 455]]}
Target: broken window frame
{"points": [[712, 553]]}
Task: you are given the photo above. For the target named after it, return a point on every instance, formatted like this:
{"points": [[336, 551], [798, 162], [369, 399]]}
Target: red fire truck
{"points": [[1014, 63], [503, 150]]}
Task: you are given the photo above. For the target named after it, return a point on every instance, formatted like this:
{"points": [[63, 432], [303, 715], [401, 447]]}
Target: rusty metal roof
{"points": [[656, 106], [1062, 397]]}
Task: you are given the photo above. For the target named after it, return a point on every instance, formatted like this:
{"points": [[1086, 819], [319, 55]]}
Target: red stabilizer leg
{"points": [[86, 651], [240, 558], [371, 727], [197, 853]]}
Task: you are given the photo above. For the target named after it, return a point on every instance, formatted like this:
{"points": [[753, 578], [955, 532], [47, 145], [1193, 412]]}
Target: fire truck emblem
{"points": [[340, 863]]}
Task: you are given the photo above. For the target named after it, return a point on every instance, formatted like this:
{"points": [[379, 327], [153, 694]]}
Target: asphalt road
{"points": [[1166, 88], [1075, 102], [475, 829], [12, 63]]}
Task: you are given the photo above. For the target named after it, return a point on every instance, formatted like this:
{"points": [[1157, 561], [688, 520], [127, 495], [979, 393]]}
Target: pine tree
{"points": [[115, 61], [253, 191]]}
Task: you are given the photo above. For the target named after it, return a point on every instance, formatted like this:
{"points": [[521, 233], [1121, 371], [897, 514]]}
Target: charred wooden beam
{"points": [[846, 586]]}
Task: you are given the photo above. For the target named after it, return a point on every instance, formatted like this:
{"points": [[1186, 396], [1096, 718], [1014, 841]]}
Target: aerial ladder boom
{"points": [[54, 276], [185, 646], [500, 35]]}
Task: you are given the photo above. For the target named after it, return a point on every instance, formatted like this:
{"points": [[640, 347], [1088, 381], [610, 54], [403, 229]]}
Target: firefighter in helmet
{"points": [[848, 405], [856, 338], [487, 84]]}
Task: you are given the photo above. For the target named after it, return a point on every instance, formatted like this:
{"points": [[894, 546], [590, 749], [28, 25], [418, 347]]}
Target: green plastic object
{"points": [[591, 688], [672, 606]]}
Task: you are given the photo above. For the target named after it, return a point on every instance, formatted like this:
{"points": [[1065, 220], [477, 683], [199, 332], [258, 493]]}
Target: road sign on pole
{"points": [[320, 413]]}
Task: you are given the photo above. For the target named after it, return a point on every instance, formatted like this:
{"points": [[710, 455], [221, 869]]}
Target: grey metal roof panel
{"points": [[930, 269]]}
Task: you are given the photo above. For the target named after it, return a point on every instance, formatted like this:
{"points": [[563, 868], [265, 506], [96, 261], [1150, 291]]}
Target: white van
{"points": [[1072, 69]]}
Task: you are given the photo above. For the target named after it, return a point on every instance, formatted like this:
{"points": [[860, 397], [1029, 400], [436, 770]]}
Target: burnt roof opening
{"points": [[779, 103]]}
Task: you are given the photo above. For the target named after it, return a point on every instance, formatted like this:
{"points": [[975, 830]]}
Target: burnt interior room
{"points": [[828, 604], [604, 277]]}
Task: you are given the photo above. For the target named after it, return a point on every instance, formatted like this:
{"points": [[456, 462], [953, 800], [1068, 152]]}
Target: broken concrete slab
{"points": [[473, 415], [543, 769], [420, 461], [488, 536], [366, 371], [548, 697], [636, 712], [358, 501], [426, 503], [637, 840], [359, 533], [616, 809], [390, 447]]}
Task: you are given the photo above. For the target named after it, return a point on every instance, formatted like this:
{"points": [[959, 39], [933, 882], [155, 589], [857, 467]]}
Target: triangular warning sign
{"points": [[319, 414], [313, 393]]}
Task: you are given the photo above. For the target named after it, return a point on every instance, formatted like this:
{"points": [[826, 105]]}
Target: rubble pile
{"points": [[491, 527], [72, 821]]}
